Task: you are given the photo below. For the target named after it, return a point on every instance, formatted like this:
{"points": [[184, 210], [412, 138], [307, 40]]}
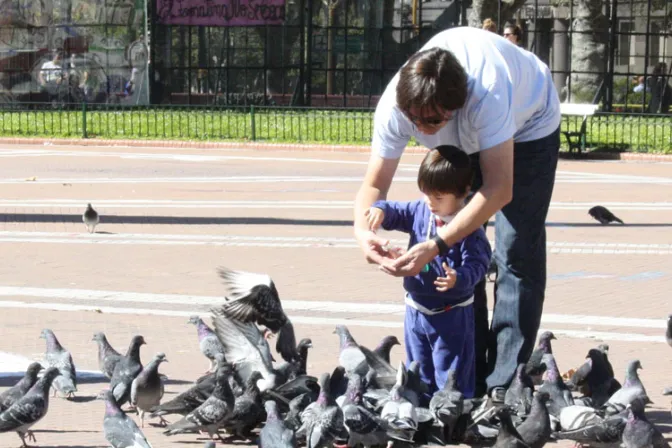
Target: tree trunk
{"points": [[482, 9], [590, 37]]}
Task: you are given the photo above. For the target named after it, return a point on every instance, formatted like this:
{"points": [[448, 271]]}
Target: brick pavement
{"points": [[583, 283]]}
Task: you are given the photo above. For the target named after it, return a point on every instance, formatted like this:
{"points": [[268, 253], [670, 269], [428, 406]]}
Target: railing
{"points": [[605, 131]]}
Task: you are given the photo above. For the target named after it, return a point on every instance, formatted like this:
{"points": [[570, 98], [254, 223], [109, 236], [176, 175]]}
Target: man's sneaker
{"points": [[497, 395]]}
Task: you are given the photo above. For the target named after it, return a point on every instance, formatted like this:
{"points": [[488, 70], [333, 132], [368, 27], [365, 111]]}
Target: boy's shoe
{"points": [[497, 395], [489, 406]]}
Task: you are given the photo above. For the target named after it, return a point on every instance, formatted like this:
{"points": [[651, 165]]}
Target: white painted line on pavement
{"points": [[306, 320], [294, 305]]}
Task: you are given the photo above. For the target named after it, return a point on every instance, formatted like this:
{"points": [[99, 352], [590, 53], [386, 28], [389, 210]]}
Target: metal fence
{"points": [[605, 131]]}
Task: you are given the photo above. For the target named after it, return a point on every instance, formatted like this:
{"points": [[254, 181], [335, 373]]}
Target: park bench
{"points": [[577, 139]]}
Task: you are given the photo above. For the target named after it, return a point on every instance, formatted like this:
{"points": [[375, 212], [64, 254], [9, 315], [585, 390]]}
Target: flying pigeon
{"points": [[147, 387], [90, 218], [208, 342], [11, 395], [128, 367], [57, 356], [603, 215], [120, 430], [254, 298], [30, 408], [108, 357]]}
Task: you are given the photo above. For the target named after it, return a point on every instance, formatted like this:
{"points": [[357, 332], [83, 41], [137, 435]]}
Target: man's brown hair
{"points": [[432, 79], [446, 169]]}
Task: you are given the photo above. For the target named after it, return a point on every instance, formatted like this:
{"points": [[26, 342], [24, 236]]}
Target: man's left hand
{"points": [[412, 262]]}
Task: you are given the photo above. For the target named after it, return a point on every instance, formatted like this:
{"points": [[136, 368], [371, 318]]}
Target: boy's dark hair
{"points": [[446, 169], [433, 79]]}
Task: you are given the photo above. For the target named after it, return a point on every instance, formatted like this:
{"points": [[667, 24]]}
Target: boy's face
{"points": [[443, 204]]}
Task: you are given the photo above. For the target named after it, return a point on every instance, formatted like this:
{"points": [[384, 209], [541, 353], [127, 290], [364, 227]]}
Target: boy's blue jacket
{"points": [[470, 257]]}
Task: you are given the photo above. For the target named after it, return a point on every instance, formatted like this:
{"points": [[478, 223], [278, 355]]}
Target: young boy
{"points": [[439, 322]]}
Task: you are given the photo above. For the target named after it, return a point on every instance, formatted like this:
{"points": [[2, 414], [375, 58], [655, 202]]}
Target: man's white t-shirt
{"points": [[511, 94]]}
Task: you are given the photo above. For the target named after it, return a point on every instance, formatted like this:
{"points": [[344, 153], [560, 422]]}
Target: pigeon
{"points": [[11, 395], [30, 408], [120, 430], [245, 346], [254, 298], [668, 332], [518, 395], [536, 429], [57, 356], [588, 428], [210, 415], [275, 434], [603, 215], [90, 218], [323, 420], [248, 411], [592, 378], [535, 368], [385, 346], [639, 432], [559, 394], [147, 387], [508, 436], [364, 427], [492, 270], [128, 367], [208, 342], [351, 356], [447, 405], [108, 357], [400, 414], [631, 390]]}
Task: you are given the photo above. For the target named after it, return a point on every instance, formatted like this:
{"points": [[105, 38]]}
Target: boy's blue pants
{"points": [[439, 343]]}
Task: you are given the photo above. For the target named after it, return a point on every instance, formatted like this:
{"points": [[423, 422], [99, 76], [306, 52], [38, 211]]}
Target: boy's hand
{"points": [[443, 284], [374, 217]]}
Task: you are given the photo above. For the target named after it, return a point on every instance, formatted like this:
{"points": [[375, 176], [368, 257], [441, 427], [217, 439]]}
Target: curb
{"points": [[361, 149]]}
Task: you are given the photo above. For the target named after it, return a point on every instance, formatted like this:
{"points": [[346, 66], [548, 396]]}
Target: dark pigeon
{"points": [[560, 395], [248, 411], [120, 430], [518, 395], [90, 218], [535, 368], [536, 429], [59, 357], [639, 432], [603, 215], [491, 273], [364, 427], [128, 367], [508, 437], [108, 357], [447, 405], [30, 408], [385, 346], [592, 378], [322, 421], [147, 387], [12, 395], [275, 434], [668, 332], [207, 341]]}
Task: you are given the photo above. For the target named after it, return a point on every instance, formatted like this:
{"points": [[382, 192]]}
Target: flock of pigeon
{"points": [[365, 401]]}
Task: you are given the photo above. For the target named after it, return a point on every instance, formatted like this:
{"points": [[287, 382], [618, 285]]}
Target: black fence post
{"points": [[612, 55], [309, 54], [84, 133]]}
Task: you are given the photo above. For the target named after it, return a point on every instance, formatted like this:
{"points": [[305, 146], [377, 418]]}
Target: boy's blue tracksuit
{"points": [[441, 336]]}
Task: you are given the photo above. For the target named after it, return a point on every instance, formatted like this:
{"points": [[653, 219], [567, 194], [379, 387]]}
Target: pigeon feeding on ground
{"points": [[108, 357], [446, 406], [147, 387], [12, 395], [275, 434], [128, 367], [120, 430], [90, 218], [57, 356], [639, 432], [536, 429], [208, 341], [603, 215], [30, 408], [254, 298]]}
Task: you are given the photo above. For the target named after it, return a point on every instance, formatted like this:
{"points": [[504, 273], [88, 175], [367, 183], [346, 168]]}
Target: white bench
{"points": [[580, 110]]}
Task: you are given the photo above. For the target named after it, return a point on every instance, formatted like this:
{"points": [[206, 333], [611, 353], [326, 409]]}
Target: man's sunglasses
{"points": [[430, 121]]}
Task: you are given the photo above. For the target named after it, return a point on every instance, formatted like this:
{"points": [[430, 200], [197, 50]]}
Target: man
{"points": [[475, 90], [513, 33]]}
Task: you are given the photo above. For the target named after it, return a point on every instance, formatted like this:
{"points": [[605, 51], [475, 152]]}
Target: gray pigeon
{"points": [[248, 411], [208, 342], [535, 367], [559, 394], [11, 395], [603, 215], [210, 415], [385, 346], [128, 367], [364, 427], [30, 408], [536, 429], [147, 387], [351, 356], [275, 434], [120, 430], [590, 429], [446, 406], [508, 436], [518, 395], [254, 298], [668, 332], [57, 356], [90, 218], [323, 419], [108, 357], [631, 390], [639, 432]]}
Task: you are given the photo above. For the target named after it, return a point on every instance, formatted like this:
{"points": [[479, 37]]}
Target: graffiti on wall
{"points": [[73, 50]]}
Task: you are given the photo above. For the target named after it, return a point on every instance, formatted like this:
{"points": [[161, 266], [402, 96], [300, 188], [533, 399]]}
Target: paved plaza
{"points": [[171, 216]]}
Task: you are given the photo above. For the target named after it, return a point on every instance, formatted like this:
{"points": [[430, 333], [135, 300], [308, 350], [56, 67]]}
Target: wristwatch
{"points": [[443, 247]]}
